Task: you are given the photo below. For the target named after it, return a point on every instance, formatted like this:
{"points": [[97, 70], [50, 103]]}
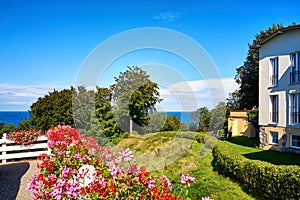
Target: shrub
{"points": [[271, 181], [200, 137]]}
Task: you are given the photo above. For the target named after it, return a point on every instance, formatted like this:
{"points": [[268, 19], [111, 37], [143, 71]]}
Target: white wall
{"points": [[281, 46]]}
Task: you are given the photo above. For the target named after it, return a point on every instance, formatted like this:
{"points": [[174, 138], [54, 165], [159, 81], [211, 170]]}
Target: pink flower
{"points": [[164, 178], [77, 155], [34, 185], [187, 179], [102, 180], [151, 183], [127, 155]]}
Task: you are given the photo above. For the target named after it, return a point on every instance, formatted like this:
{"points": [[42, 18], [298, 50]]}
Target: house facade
{"points": [[279, 90]]}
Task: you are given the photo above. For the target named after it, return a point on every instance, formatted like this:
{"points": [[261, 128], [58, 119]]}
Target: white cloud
{"points": [[190, 95], [17, 103], [167, 16], [20, 97]]}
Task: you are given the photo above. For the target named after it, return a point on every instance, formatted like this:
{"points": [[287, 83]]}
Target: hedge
{"points": [[270, 181]]}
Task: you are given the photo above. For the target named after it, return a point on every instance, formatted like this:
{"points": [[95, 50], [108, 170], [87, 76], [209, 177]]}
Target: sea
{"points": [[15, 117]]}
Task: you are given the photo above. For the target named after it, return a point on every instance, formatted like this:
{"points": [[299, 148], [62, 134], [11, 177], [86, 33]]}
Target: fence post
{"points": [[3, 147]]}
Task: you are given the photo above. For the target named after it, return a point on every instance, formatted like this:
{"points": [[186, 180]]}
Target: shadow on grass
{"points": [[10, 179], [271, 156], [274, 157], [245, 141]]}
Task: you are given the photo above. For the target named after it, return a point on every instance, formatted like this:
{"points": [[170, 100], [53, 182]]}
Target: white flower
{"points": [[87, 174]]}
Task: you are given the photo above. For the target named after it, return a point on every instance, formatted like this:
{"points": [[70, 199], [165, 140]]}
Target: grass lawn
{"points": [[249, 148], [209, 182]]}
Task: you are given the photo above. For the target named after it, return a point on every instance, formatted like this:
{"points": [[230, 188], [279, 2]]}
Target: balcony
{"points": [[295, 77], [295, 117]]}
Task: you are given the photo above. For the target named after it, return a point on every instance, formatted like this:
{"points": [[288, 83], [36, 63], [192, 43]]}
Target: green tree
{"points": [[104, 112], [157, 123], [7, 128], [52, 109], [24, 125], [172, 123], [246, 97], [218, 117], [84, 115], [202, 117], [134, 96]]}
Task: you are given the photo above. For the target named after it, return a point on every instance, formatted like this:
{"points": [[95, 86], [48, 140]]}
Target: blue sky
{"points": [[44, 43]]}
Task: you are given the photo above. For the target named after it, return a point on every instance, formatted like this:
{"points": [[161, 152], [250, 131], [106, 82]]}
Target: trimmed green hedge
{"points": [[271, 181]]}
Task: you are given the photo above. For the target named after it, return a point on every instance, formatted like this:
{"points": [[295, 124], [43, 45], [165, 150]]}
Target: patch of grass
{"points": [[245, 141], [209, 182], [246, 147]]}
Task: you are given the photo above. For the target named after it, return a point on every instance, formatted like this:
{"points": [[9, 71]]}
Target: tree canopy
{"points": [[52, 109], [246, 96], [133, 97], [202, 117], [97, 111]]}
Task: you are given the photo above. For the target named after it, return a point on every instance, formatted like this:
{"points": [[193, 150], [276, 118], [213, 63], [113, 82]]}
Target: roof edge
{"points": [[279, 32]]}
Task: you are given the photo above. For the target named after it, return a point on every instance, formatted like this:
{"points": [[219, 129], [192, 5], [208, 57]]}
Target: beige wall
{"points": [[238, 124], [281, 132], [291, 131]]}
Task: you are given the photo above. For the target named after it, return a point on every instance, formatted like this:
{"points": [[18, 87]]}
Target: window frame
{"points": [[274, 99], [295, 67], [291, 141], [272, 137], [274, 67], [294, 108]]}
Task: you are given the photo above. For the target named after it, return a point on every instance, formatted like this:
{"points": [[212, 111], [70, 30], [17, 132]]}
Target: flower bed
{"points": [[24, 137], [78, 168]]}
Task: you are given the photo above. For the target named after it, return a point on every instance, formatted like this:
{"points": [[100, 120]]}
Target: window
{"points": [[295, 108], [273, 137], [295, 68], [274, 72], [295, 141], [274, 109]]}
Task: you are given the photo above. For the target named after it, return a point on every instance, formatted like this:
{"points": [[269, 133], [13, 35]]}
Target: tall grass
{"points": [[209, 182]]}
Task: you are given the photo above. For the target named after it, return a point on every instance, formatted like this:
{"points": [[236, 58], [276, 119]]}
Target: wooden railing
{"points": [[10, 150]]}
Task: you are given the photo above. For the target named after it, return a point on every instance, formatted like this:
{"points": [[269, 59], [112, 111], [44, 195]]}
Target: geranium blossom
{"points": [[71, 172], [24, 137], [187, 179], [87, 174], [164, 178], [127, 155]]}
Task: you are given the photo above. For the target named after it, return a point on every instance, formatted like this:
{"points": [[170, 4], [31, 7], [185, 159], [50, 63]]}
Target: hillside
{"points": [[173, 154]]}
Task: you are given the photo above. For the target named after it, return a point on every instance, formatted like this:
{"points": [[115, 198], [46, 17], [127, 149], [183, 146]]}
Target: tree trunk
{"points": [[130, 125]]}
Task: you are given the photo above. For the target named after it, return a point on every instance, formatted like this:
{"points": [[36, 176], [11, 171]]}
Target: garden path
{"points": [[14, 177]]}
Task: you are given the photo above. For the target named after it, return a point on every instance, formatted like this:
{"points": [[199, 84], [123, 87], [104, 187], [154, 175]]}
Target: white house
{"points": [[279, 90]]}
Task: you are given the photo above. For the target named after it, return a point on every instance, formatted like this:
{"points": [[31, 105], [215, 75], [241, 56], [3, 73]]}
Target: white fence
{"points": [[10, 150]]}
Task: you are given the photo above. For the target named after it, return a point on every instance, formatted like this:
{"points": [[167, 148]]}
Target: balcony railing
{"points": [[274, 117], [274, 80], [295, 77], [295, 117]]}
